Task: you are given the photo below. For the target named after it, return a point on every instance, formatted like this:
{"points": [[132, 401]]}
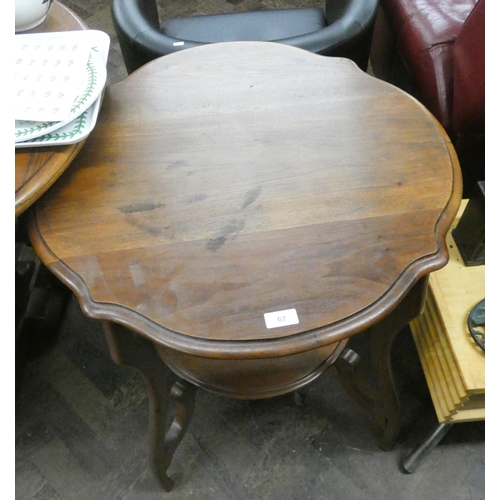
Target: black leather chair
{"points": [[343, 29]]}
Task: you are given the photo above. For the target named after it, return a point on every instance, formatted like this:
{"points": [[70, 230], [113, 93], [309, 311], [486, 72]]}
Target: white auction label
{"points": [[281, 318]]}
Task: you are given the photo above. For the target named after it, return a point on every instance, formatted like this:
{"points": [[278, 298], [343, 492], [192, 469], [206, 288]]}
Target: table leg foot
{"points": [[346, 365], [380, 402], [382, 336], [183, 393], [415, 458], [132, 350], [380, 349], [384, 408]]}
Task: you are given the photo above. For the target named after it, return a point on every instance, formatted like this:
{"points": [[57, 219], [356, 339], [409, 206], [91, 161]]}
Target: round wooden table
{"points": [[38, 168], [243, 209]]}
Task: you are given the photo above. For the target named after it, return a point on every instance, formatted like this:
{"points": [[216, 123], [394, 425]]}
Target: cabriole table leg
{"points": [[385, 407], [183, 393], [128, 348], [382, 336]]}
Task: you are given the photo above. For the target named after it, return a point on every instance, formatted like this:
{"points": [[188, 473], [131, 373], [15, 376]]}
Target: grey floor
{"points": [[81, 421]]}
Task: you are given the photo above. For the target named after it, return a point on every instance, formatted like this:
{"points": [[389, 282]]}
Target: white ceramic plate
{"points": [[81, 125], [89, 91], [72, 132]]}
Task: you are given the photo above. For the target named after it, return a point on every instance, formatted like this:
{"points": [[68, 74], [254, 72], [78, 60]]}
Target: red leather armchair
{"points": [[441, 46]]}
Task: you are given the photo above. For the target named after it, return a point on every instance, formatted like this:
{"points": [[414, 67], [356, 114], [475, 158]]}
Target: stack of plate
{"points": [[85, 109]]}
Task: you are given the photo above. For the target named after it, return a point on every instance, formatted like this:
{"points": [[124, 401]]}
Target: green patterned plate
{"points": [[90, 90], [70, 133]]}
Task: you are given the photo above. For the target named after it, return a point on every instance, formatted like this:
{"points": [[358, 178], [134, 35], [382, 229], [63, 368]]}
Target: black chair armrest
{"points": [[137, 26]]}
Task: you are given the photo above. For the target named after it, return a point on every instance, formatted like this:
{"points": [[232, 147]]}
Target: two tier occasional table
{"points": [[239, 212]]}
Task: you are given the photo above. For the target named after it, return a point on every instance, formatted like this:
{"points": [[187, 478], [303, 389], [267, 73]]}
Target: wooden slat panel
{"points": [[437, 333], [457, 289], [429, 372], [453, 365], [469, 415], [451, 399]]}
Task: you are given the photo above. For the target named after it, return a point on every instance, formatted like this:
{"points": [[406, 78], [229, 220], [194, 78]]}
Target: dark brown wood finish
{"points": [[38, 168], [232, 180]]}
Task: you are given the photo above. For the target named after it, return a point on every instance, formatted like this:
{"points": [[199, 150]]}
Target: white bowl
{"points": [[31, 13]]}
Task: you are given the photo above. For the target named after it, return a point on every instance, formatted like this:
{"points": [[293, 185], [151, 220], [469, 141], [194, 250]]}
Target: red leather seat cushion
{"points": [[468, 74], [426, 31]]}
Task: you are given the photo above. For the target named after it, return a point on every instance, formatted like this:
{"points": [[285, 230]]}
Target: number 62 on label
{"points": [[281, 318]]}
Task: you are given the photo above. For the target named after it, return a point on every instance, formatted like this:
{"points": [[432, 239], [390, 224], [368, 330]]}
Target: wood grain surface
{"points": [[38, 168], [232, 180]]}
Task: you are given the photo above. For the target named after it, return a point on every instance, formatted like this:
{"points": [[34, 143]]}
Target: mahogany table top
{"points": [[38, 168], [229, 181]]}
